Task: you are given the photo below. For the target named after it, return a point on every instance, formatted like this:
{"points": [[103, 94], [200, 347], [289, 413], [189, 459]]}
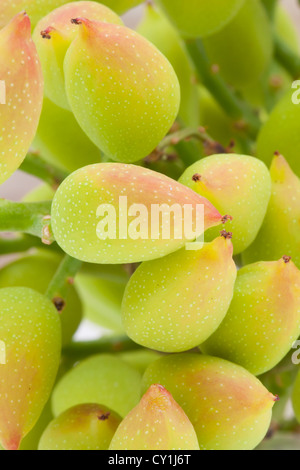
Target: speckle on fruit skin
{"points": [[175, 303], [74, 212], [238, 185], [20, 69], [104, 379], [280, 232], [53, 36], [31, 330], [82, 427], [156, 423], [122, 90], [263, 321], [229, 408]]}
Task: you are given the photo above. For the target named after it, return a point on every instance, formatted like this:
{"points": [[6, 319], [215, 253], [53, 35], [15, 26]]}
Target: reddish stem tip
{"points": [[286, 259], [277, 154], [104, 416], [196, 177], [226, 235], [76, 21], [276, 398], [59, 304], [46, 33], [226, 218]]}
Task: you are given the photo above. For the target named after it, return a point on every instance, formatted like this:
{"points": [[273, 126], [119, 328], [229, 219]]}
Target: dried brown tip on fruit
{"points": [[196, 177], [46, 34], [76, 21], [277, 154], [226, 235], [59, 303], [226, 218], [104, 416], [276, 398], [287, 259]]}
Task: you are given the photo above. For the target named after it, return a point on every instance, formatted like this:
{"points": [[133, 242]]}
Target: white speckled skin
{"points": [[263, 321], [104, 379], [229, 408], [31, 330], [156, 423], [74, 212], [122, 90], [238, 185], [280, 232], [83, 427], [200, 18], [175, 303], [62, 32], [21, 70]]}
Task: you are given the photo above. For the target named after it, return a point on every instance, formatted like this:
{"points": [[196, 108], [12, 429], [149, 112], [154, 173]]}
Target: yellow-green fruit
{"points": [[21, 94], [31, 441], [104, 214], [156, 423], [229, 408], [157, 29], [243, 49], [30, 335], [35, 9], [199, 18], [175, 303], [100, 379], [280, 232], [83, 427], [53, 36], [139, 359], [238, 185], [102, 301], [61, 141], [296, 397], [263, 321], [286, 28], [281, 132], [123, 92], [36, 272], [43, 192]]}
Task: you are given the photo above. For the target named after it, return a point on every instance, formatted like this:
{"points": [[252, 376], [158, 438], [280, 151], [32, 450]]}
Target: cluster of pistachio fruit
{"points": [[197, 106]]}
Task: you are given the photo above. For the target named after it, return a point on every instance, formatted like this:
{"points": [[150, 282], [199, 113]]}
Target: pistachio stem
{"points": [[50, 174], [235, 108], [110, 344], [23, 217], [63, 278]]}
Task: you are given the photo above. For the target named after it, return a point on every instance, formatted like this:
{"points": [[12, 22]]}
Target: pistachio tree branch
{"points": [[106, 344], [287, 57], [36, 166], [270, 6], [21, 244], [31, 218], [63, 278], [238, 110]]}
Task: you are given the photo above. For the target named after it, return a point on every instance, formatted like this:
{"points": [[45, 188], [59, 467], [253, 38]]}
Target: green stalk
{"points": [[30, 218], [50, 174], [225, 96], [287, 57], [63, 278], [112, 344]]}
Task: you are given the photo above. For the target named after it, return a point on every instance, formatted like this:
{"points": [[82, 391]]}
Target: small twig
{"points": [[63, 278], [81, 350], [235, 108], [287, 57], [30, 218], [36, 166]]}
